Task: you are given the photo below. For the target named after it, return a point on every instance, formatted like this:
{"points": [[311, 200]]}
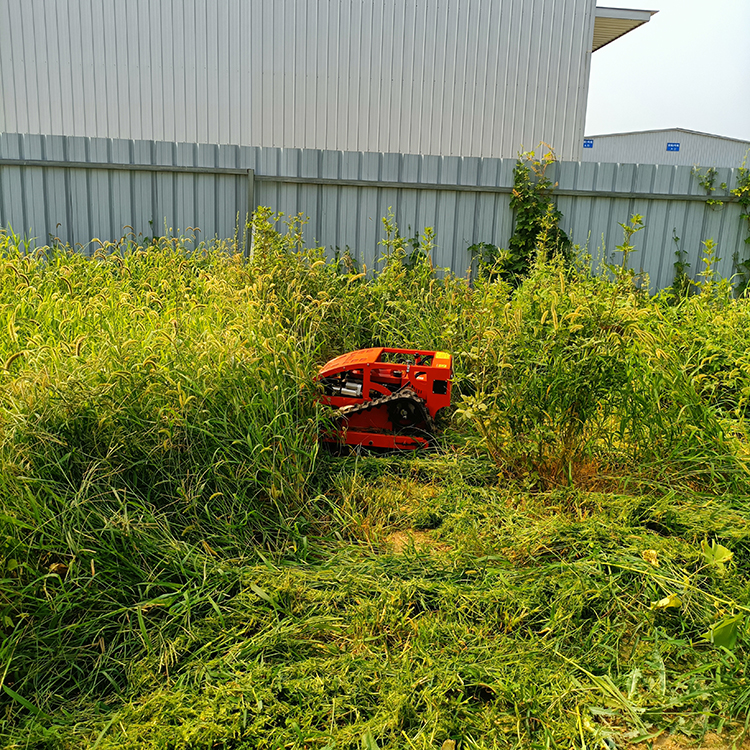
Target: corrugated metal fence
{"points": [[78, 188]]}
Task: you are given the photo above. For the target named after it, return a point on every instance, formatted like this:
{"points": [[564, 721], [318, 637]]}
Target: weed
{"points": [[681, 284], [536, 226], [742, 193]]}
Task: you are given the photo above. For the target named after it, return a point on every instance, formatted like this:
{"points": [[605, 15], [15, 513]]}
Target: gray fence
{"points": [[78, 188]]}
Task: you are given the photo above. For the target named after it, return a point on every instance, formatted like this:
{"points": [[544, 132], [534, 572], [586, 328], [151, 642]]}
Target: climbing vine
{"points": [[537, 218], [682, 283], [536, 227], [707, 180], [741, 192]]}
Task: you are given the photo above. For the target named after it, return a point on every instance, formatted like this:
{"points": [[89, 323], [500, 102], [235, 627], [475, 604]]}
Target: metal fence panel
{"points": [[594, 222], [80, 188]]}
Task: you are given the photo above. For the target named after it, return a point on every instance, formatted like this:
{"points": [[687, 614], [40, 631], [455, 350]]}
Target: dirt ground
{"points": [[709, 742], [400, 540]]}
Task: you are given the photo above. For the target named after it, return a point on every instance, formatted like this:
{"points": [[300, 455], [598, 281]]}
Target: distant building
{"points": [[675, 146], [440, 77]]}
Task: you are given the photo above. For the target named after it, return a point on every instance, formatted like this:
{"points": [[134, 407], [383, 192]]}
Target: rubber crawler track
{"points": [[404, 395]]}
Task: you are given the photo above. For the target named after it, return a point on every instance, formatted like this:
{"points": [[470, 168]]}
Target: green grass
{"points": [[183, 567]]}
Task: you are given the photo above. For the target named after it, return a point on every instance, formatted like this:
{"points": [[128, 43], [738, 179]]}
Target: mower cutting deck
{"points": [[386, 398]]}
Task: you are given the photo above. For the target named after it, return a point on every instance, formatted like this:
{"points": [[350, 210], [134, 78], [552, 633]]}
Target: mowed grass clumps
{"points": [[182, 566]]}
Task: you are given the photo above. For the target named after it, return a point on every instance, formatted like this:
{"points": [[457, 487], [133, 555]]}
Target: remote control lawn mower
{"points": [[386, 398]]}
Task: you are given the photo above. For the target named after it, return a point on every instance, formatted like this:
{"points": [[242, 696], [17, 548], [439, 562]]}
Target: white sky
{"points": [[688, 67]]}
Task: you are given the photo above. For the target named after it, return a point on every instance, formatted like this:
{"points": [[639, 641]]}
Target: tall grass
{"points": [[594, 377], [181, 566]]}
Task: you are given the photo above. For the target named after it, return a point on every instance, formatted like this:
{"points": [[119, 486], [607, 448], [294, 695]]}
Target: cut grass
{"points": [[530, 611]]}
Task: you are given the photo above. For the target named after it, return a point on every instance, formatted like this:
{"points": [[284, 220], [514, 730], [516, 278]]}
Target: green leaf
{"points": [[715, 555], [144, 631], [104, 731], [726, 631], [368, 742], [667, 602], [26, 704], [258, 591]]}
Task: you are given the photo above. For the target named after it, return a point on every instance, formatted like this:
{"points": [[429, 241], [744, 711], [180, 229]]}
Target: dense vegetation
{"points": [[183, 567]]}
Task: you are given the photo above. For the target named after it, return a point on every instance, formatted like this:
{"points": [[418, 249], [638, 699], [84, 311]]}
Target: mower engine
{"points": [[386, 398]]}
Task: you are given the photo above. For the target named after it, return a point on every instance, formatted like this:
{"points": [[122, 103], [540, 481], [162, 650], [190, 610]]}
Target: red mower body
{"points": [[386, 398]]}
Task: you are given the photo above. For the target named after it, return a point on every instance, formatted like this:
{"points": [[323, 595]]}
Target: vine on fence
{"points": [[682, 282], [742, 193], [537, 217], [536, 228], [707, 180]]}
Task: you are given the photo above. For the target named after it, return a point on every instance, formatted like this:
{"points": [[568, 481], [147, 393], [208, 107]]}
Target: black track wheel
{"points": [[409, 416], [404, 413]]}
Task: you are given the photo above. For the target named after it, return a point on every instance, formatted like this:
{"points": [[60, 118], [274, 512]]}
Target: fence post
{"points": [[250, 209]]}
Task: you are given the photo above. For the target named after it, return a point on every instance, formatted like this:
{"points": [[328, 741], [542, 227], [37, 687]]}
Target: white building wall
{"points": [[650, 147], [444, 77]]}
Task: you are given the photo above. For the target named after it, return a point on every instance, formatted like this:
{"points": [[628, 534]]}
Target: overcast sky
{"points": [[688, 67]]}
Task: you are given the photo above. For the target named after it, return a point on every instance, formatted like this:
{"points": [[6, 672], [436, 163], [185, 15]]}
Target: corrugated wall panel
{"points": [[79, 204], [650, 147], [444, 77], [594, 222]]}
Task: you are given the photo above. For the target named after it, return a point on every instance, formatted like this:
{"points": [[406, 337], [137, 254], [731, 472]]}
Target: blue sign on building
{"points": [[673, 147], [588, 143]]}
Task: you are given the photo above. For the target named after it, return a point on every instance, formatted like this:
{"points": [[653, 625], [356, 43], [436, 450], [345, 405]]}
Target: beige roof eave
{"points": [[612, 23]]}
